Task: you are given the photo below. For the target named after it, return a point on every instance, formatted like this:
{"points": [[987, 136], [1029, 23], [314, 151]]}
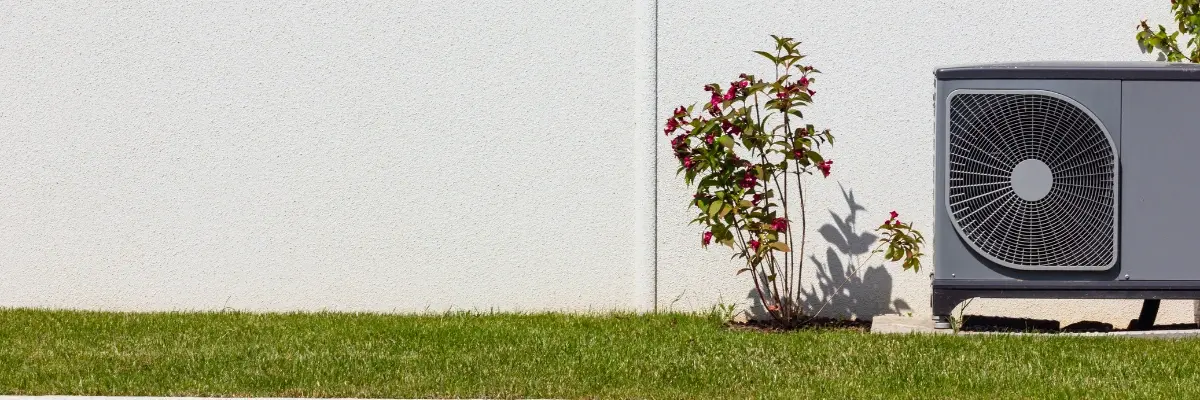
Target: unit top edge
{"points": [[1090, 70]]}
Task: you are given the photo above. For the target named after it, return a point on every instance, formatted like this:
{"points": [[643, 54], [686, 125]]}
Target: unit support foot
{"points": [[1149, 313]]}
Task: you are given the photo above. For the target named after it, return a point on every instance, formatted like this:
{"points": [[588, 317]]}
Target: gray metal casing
{"points": [[1148, 109]]}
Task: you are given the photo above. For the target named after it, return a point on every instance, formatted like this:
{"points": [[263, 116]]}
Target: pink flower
{"points": [[729, 95], [730, 128], [715, 101], [798, 153], [743, 84], [748, 180], [811, 93], [706, 238], [894, 215], [804, 81], [688, 163], [708, 138], [779, 225], [679, 142], [754, 245], [825, 166], [757, 198], [672, 125], [675, 121]]}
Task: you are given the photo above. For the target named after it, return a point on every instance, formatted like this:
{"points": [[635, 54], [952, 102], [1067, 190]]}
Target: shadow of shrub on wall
{"points": [[844, 288]]}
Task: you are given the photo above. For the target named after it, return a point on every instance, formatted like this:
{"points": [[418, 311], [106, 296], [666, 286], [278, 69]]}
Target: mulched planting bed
{"points": [[804, 323]]}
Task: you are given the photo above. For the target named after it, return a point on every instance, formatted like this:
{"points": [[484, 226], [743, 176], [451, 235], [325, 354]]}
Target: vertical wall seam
{"points": [[654, 132], [645, 149]]}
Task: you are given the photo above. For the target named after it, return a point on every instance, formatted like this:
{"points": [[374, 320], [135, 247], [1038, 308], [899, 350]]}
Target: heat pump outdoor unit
{"points": [[1067, 180]]}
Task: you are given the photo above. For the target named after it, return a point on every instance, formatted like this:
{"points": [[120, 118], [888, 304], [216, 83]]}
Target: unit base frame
{"points": [[948, 293]]}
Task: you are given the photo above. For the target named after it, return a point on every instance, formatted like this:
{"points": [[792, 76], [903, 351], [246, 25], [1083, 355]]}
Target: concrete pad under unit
{"points": [[905, 324]]}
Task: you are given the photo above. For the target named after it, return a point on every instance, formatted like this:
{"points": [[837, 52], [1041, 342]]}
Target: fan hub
{"points": [[1032, 179]]}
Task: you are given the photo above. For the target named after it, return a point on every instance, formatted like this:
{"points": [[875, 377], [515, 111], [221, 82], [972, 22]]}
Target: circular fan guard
{"points": [[1063, 218]]}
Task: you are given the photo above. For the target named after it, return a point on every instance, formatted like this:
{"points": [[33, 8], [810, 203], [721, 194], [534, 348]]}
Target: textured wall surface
{"points": [[426, 155], [278, 155], [876, 94]]}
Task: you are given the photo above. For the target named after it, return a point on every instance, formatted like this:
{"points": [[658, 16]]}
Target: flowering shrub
{"points": [[1187, 14], [743, 150]]}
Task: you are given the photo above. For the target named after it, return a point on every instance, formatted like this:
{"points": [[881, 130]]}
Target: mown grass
{"points": [[562, 356]]}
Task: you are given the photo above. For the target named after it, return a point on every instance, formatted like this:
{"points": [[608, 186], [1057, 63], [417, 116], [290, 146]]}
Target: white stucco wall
{"points": [[876, 94], [279, 155], [425, 155]]}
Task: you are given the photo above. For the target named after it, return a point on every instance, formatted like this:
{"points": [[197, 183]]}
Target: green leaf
{"points": [[815, 157], [769, 56], [781, 247], [715, 208], [726, 141]]}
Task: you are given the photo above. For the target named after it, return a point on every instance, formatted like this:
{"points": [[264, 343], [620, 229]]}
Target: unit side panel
{"points": [[1160, 183]]}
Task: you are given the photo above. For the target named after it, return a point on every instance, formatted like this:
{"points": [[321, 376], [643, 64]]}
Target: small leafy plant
{"points": [[747, 152], [1187, 15], [957, 323]]}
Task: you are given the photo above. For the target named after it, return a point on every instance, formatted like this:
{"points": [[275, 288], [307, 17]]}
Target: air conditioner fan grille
{"points": [[1032, 181]]}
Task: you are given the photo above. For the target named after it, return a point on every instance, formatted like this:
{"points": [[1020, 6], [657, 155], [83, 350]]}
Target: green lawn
{"points": [[551, 355]]}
